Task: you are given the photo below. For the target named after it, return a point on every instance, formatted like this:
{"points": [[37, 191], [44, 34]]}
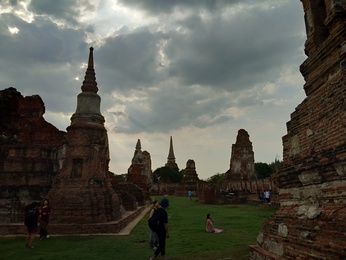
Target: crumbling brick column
{"points": [[311, 221]]}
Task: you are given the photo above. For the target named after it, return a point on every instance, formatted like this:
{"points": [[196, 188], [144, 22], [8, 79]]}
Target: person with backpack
{"points": [[160, 218], [153, 238], [31, 222]]}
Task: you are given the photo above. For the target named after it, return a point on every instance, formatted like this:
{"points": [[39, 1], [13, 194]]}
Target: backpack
{"points": [[154, 221], [30, 218]]}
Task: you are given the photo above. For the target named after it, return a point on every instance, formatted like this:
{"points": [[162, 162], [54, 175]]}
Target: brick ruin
{"points": [[29, 153], [190, 178], [242, 164], [240, 184], [139, 172], [71, 169], [311, 221], [82, 192]]}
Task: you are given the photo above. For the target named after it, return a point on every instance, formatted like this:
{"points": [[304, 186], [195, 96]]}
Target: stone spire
{"points": [[138, 156], [88, 102], [138, 145], [89, 83], [171, 158]]}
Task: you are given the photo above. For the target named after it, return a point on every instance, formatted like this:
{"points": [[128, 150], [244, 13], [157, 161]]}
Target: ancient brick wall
{"points": [[29, 153], [311, 221]]}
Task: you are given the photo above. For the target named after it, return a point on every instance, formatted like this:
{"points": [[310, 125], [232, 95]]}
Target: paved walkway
{"points": [[127, 230]]}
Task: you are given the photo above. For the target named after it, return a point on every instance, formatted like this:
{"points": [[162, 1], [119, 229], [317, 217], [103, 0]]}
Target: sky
{"points": [[196, 70]]}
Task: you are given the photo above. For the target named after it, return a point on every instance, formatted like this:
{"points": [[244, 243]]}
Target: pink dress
{"points": [[210, 228]]}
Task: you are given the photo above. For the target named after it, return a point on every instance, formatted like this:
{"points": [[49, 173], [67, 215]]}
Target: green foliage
{"points": [[188, 239], [167, 174], [216, 179], [120, 178], [263, 170], [276, 165]]}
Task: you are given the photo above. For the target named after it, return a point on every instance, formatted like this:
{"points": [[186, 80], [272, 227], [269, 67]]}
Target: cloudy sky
{"points": [[196, 70]]}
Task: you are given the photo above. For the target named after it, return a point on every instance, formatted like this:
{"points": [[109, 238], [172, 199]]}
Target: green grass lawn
{"points": [[188, 239]]}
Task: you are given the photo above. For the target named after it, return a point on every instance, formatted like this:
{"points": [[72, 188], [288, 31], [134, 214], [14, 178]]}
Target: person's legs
{"points": [[162, 246], [27, 241], [32, 234], [42, 233]]}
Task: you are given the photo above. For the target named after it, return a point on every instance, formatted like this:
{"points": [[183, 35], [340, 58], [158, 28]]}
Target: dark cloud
{"points": [[220, 52], [157, 7], [188, 67], [171, 108], [38, 59], [129, 61], [66, 10]]}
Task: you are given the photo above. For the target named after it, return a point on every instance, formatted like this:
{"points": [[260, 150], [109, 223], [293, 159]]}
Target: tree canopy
{"points": [[167, 174], [217, 178]]}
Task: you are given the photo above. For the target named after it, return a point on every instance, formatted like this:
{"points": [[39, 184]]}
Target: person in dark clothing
{"points": [[162, 232], [31, 222], [153, 238]]}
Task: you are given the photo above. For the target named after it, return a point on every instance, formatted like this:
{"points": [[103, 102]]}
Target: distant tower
{"points": [[138, 156], [171, 158], [242, 162], [140, 170], [190, 178], [81, 192]]}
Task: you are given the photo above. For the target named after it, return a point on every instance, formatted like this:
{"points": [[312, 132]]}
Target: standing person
{"points": [[153, 238], [209, 227], [162, 232], [189, 194], [31, 222], [44, 220]]}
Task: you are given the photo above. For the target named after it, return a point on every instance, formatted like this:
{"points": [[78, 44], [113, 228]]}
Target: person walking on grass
{"points": [[162, 232], [31, 222], [153, 238], [44, 218]]}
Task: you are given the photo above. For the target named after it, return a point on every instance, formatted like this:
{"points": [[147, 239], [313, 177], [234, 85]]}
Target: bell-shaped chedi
{"points": [[171, 158], [311, 221], [82, 191], [242, 162]]}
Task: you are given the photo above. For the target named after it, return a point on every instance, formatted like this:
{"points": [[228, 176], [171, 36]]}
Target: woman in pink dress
{"points": [[44, 220], [209, 227]]}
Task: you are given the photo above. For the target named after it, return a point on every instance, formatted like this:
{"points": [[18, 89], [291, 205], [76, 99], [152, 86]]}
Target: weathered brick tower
{"points": [[82, 193], [311, 221], [140, 170], [242, 163]]}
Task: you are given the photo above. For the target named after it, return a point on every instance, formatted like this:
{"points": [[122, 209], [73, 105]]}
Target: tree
{"points": [[167, 174], [263, 170], [276, 165], [216, 178]]}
